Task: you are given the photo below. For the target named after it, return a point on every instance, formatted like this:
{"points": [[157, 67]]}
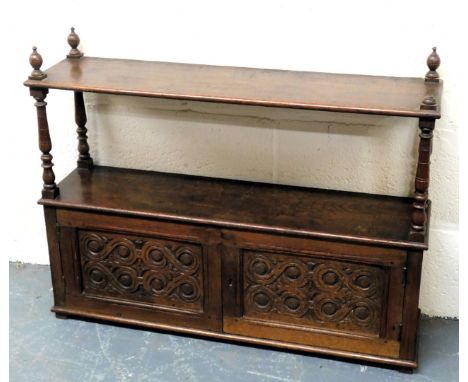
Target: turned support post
{"points": [[421, 184], [50, 189], [426, 126], [84, 158]]}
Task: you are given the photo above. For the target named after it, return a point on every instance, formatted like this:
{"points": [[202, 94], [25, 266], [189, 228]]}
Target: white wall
{"points": [[342, 151]]}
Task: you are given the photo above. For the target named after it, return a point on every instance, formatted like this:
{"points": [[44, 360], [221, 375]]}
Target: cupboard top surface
{"points": [[396, 96], [354, 217]]}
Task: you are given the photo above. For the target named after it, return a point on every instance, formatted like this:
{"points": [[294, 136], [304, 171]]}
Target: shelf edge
{"points": [[434, 114], [256, 227]]}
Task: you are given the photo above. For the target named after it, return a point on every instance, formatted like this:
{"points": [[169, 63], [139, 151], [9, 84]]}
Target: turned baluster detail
{"points": [[50, 189], [419, 215], [426, 126], [84, 158]]}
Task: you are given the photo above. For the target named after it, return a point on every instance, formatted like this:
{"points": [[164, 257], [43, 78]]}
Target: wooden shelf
{"points": [[239, 204], [392, 96]]}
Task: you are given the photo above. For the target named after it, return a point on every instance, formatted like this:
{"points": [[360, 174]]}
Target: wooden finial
{"points": [[35, 59], [433, 62], [428, 103], [74, 41]]}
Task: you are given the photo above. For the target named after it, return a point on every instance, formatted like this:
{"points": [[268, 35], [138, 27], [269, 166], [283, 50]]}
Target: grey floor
{"points": [[43, 348]]}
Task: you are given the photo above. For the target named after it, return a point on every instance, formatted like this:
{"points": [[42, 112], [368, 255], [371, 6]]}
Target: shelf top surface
{"points": [[355, 217], [395, 96]]}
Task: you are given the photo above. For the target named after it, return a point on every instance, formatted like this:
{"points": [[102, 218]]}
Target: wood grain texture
{"points": [[56, 267], [328, 340], [237, 204], [262, 87], [134, 318], [411, 311]]}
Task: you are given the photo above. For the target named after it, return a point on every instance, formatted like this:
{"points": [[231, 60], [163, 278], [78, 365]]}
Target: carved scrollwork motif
{"points": [[327, 293], [158, 271]]}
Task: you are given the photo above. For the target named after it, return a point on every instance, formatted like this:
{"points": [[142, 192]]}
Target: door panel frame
{"points": [[70, 222], [386, 343]]}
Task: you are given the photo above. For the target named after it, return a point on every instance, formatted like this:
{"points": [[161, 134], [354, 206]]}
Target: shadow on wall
{"points": [[372, 154]]}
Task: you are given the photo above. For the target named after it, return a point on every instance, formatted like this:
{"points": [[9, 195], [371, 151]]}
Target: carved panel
{"points": [[157, 271], [314, 292]]}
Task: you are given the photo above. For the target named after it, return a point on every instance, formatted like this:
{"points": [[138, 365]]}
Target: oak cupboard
{"points": [[321, 271]]}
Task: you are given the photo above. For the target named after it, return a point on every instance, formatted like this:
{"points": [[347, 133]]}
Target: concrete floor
{"points": [[43, 348]]}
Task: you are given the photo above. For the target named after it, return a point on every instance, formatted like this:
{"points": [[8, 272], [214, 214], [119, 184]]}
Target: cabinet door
{"points": [[155, 272], [314, 293]]}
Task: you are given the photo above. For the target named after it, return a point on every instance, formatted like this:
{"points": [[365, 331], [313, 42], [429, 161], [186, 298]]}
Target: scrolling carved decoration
{"points": [[316, 292], [157, 271]]}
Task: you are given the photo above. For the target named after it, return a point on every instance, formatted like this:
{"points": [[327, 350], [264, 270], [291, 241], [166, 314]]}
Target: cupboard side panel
{"points": [[55, 256], [410, 320]]}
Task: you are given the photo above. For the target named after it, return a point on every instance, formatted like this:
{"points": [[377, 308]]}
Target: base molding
{"points": [[401, 365]]}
